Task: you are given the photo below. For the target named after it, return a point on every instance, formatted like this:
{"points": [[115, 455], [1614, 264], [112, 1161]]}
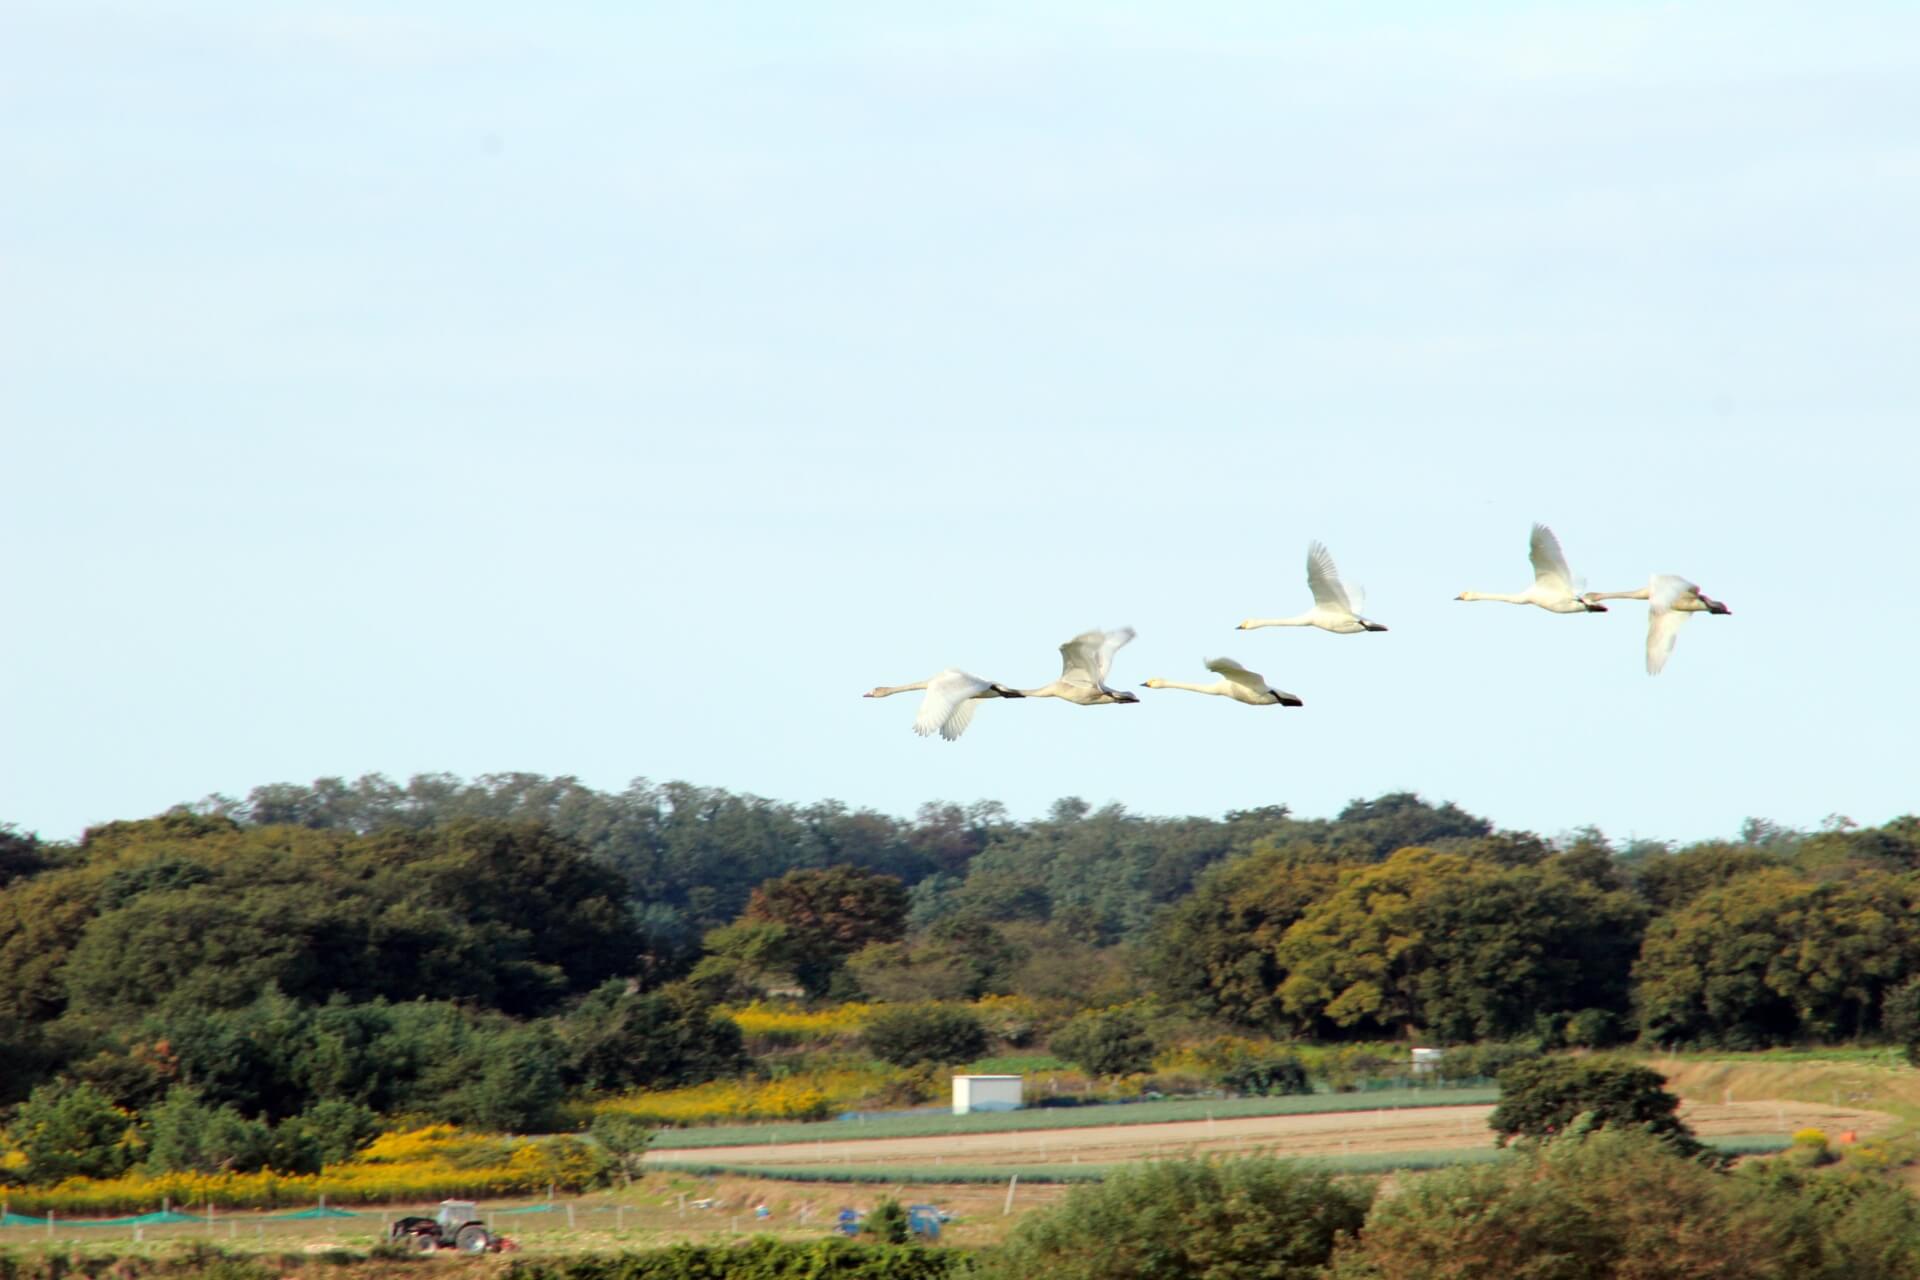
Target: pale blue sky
{"points": [[620, 390]]}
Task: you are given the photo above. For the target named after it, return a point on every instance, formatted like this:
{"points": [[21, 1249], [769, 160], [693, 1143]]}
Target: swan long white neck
{"points": [[1303, 620], [888, 690], [1493, 595], [1644, 593], [1158, 683]]}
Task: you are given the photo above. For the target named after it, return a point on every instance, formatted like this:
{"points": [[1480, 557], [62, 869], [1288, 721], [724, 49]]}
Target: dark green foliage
{"points": [[1835, 1225], [21, 854], [1173, 1219], [911, 1034], [71, 1130], [828, 915], [625, 1138], [185, 1134], [887, 1222], [762, 1258], [1105, 1042], [1771, 957], [1268, 1077], [617, 1038], [1599, 1207], [1541, 1097], [276, 1058]]}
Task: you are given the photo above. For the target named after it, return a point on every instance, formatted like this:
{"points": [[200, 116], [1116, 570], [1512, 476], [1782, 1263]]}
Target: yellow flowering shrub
{"points": [[835, 1022]]}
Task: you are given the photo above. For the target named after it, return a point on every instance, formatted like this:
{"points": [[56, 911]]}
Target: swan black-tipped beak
{"points": [[1288, 700], [1373, 626], [1594, 608], [1714, 606]]}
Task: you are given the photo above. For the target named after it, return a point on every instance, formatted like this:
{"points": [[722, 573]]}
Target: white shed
{"points": [[1427, 1061], [986, 1093]]}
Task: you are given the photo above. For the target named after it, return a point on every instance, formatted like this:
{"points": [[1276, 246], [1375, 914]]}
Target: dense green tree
{"points": [[907, 1035], [184, 1134], [1542, 1097], [1216, 950], [1105, 1042], [73, 1131], [829, 915], [1770, 958], [617, 1038], [1454, 947], [1189, 1220]]}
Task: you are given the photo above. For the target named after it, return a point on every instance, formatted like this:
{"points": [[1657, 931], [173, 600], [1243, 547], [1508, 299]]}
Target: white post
{"points": [[620, 1217], [1012, 1183], [569, 1215]]}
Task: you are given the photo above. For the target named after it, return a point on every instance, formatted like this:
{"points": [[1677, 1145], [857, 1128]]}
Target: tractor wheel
{"points": [[472, 1238], [424, 1241]]}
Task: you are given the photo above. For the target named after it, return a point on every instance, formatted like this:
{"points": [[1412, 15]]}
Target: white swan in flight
{"points": [[1239, 684], [951, 697], [1553, 582], [1085, 661], [1671, 600], [1336, 606]]}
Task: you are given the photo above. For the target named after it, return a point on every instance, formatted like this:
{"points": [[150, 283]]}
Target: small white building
{"points": [[987, 1093], [1426, 1061]]}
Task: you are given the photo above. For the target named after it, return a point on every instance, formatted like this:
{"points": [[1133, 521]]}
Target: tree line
{"points": [[476, 951]]}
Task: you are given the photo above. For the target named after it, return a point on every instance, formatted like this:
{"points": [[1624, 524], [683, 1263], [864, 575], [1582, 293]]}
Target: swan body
{"points": [[1553, 582], [951, 697], [1336, 606], [1085, 661], [1237, 683], [1671, 600]]}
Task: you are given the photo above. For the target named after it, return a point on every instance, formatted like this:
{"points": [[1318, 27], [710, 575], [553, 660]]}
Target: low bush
{"points": [[1189, 1218], [762, 1258]]}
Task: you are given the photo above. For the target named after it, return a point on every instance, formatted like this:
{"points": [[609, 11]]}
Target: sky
{"points": [[619, 391]]}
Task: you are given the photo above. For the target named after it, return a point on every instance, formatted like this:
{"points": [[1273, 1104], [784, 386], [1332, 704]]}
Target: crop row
{"points": [[941, 1124]]}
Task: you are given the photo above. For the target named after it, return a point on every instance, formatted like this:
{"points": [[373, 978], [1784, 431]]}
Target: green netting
{"points": [[162, 1219], [532, 1208], [132, 1220]]}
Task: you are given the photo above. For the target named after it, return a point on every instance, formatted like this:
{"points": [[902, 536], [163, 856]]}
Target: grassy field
{"points": [[941, 1124]]}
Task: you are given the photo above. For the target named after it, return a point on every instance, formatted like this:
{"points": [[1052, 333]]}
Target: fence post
{"points": [[1012, 1183], [619, 1217], [50, 1217]]}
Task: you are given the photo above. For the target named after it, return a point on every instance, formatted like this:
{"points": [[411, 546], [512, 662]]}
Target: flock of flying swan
{"points": [[1087, 659]]}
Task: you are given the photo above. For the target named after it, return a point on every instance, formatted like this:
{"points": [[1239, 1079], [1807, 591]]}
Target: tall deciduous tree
{"points": [[829, 915]]}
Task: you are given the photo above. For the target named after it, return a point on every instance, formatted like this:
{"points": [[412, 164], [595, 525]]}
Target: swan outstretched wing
{"points": [[1549, 562], [1237, 674], [957, 722], [947, 708], [1323, 579], [1080, 658], [1663, 619], [1110, 643]]}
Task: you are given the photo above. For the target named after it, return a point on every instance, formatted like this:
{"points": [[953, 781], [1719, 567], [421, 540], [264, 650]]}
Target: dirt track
{"points": [[1336, 1133]]}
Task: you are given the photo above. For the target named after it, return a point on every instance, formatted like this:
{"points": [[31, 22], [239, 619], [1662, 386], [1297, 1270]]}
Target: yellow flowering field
{"points": [[810, 1095], [433, 1163]]}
